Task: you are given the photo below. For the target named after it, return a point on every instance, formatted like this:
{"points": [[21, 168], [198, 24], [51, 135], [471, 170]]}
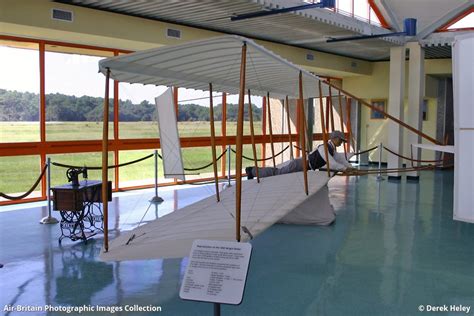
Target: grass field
{"points": [[17, 174]]}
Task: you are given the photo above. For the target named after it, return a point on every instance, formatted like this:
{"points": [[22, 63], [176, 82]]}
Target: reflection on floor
{"points": [[394, 246]]}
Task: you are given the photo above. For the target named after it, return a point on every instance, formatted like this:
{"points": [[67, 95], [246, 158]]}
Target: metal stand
{"points": [[379, 176], [217, 309], [156, 198], [49, 219]]}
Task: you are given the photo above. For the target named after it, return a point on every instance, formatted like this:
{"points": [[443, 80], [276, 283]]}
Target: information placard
{"points": [[216, 272]]}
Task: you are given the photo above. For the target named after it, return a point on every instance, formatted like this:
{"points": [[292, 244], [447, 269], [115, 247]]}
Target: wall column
{"points": [[395, 108], [416, 88]]}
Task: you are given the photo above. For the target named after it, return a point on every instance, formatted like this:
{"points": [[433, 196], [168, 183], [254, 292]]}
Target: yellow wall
{"points": [[32, 18], [376, 86]]}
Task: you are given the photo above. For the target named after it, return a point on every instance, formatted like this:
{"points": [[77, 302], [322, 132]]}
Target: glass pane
{"points": [[373, 18], [19, 92], [247, 161], [58, 174], [141, 173], [194, 113], [74, 94], [137, 110], [232, 114], [345, 6], [466, 22], [199, 128], [198, 157], [16, 181], [361, 9]]}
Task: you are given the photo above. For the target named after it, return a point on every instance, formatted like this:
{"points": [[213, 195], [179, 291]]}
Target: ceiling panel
{"points": [[308, 29]]}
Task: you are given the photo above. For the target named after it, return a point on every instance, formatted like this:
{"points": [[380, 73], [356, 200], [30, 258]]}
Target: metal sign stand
{"points": [[216, 273], [379, 176]]}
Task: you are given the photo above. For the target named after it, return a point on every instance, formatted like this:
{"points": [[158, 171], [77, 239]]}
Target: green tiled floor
{"points": [[394, 247]]}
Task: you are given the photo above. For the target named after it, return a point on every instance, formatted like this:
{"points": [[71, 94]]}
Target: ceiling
{"points": [[308, 29], [430, 14]]}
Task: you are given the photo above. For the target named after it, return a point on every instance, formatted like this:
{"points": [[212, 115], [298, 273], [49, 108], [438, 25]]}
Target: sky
{"points": [[467, 21], [78, 75]]}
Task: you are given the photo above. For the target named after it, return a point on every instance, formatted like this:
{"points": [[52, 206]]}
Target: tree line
{"points": [[24, 106]]}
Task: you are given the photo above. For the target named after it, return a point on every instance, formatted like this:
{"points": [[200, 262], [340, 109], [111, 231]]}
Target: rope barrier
{"points": [[365, 151], [110, 167], [355, 154], [411, 159], [9, 197], [208, 165], [264, 159]]}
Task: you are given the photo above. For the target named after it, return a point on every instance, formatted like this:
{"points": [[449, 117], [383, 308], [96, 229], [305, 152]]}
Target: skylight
{"points": [[465, 22]]}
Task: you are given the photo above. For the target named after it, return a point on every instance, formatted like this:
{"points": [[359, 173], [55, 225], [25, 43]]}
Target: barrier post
{"points": [[156, 199], [379, 176], [49, 219]]}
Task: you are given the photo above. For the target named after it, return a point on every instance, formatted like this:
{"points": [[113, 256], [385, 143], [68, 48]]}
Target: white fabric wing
{"points": [[169, 137], [263, 205]]}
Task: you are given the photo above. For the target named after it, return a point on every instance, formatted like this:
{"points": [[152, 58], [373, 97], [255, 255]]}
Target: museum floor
{"points": [[394, 247]]}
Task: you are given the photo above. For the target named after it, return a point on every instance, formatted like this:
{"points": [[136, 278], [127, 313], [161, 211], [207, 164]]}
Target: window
{"points": [[379, 104], [141, 173], [74, 94], [466, 22], [361, 9], [137, 110], [15, 180], [19, 92], [93, 159], [374, 19], [193, 113]]}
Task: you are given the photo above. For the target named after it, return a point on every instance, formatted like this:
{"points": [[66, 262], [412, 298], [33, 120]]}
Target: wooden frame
{"points": [[380, 104]]}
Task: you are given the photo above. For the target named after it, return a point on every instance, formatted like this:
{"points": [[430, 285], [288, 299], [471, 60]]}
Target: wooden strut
{"points": [[213, 142], [303, 133], [341, 120], [252, 137], [414, 130], [240, 130], [323, 129], [298, 129], [349, 127], [270, 129], [331, 109], [327, 124], [289, 126], [176, 111], [105, 162], [224, 132]]}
